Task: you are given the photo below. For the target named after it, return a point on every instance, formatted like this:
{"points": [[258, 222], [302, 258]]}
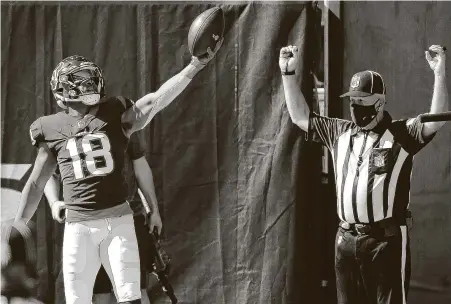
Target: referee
{"points": [[372, 157]]}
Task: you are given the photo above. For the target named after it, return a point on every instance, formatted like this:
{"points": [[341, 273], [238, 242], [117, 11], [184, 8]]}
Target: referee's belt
{"points": [[389, 225]]}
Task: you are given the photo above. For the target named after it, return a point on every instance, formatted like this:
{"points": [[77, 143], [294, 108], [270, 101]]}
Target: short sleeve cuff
{"points": [[416, 124], [36, 135]]}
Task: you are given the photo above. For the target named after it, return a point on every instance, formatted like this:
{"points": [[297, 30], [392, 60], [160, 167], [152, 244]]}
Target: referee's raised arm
{"points": [[296, 104]]}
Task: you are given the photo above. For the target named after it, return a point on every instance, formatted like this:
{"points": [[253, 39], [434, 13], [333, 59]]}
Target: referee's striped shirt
{"points": [[372, 168]]}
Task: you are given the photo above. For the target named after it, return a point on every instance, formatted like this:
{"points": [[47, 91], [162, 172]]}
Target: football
{"points": [[205, 31]]}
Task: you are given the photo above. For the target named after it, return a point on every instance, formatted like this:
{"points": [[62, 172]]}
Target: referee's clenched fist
{"points": [[288, 60]]}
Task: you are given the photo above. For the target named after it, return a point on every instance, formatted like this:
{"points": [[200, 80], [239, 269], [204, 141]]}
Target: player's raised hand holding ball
{"points": [[206, 35]]}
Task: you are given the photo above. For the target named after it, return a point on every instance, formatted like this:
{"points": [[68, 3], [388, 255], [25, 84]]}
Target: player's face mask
{"points": [[85, 87], [366, 112]]}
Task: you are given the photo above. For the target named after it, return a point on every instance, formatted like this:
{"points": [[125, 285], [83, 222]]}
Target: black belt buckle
{"points": [[387, 226], [345, 225], [358, 228], [362, 228]]}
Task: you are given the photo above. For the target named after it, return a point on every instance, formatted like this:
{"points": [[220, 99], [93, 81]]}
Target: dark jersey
{"points": [[90, 152]]}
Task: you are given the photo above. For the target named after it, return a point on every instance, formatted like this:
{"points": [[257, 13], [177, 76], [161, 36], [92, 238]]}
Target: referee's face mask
{"points": [[367, 96], [367, 112]]}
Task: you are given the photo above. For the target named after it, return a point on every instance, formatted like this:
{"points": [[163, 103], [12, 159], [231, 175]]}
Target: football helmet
{"points": [[76, 79]]}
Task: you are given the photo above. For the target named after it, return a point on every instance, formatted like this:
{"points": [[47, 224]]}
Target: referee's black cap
{"points": [[365, 83]]}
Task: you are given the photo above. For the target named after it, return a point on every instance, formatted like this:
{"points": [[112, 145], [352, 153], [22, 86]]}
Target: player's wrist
{"points": [[55, 202], [155, 209], [196, 64]]}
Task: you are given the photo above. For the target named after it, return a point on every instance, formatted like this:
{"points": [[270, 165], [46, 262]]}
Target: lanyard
{"points": [[365, 138]]}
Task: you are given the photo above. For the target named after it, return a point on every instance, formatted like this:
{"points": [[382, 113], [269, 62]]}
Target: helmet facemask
{"points": [[77, 80]]}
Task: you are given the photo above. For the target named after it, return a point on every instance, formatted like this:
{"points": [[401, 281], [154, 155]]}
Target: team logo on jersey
{"points": [[355, 81], [379, 161]]}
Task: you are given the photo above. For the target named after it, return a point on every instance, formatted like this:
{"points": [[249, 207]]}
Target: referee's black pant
{"points": [[372, 268]]}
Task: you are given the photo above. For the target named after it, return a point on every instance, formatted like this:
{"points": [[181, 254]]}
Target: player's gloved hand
{"points": [[58, 211], [288, 60], [437, 63], [153, 220], [202, 61]]}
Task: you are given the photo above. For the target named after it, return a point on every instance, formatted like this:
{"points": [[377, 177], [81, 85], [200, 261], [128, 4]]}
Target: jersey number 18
{"points": [[101, 154]]}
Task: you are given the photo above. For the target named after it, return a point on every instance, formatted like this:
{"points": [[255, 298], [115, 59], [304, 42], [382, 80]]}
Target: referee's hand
{"points": [[437, 63], [288, 59]]}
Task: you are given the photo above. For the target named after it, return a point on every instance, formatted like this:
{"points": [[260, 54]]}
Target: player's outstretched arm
{"points": [[145, 108], [44, 166], [296, 104], [144, 179]]}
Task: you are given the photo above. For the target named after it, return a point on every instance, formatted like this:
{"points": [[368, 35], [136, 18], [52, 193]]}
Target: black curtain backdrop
{"points": [[235, 179]]}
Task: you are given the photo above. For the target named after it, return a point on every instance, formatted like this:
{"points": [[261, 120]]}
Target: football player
{"points": [[139, 174], [87, 142]]}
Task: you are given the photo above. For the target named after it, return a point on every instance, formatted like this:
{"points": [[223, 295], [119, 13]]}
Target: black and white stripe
{"points": [[363, 196]]}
